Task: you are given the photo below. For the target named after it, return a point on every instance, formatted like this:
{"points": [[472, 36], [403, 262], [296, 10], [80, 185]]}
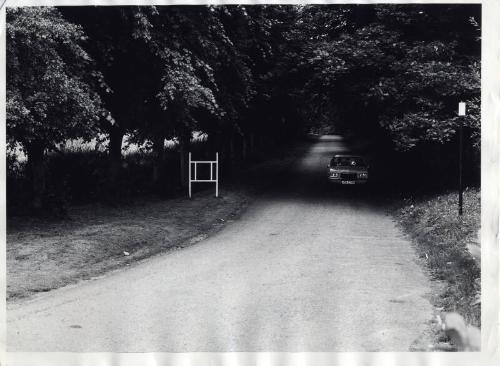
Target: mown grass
{"points": [[441, 238], [44, 253]]}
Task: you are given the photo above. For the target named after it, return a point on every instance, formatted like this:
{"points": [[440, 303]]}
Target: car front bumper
{"points": [[348, 181]]}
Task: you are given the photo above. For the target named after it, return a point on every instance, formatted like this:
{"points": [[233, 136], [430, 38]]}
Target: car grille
{"points": [[348, 176]]}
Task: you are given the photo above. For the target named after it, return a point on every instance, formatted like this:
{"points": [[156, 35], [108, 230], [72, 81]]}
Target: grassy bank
{"points": [[441, 237], [45, 253]]}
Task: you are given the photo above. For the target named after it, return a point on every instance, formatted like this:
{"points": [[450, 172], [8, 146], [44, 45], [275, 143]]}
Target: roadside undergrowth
{"points": [[441, 237]]}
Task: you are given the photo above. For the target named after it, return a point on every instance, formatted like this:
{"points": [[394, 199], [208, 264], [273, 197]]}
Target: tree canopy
{"points": [[402, 68], [164, 69], [52, 88], [393, 72]]}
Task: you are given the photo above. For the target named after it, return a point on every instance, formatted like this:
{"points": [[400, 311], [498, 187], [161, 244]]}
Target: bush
{"points": [[77, 176], [441, 237], [17, 184]]}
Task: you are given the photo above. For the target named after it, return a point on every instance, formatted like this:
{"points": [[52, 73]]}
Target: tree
{"points": [[117, 40], [172, 70], [50, 87], [156, 63], [182, 49], [256, 80], [396, 70]]}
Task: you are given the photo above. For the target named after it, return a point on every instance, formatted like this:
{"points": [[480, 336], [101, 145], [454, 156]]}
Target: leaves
{"points": [[49, 93], [169, 70], [406, 67]]}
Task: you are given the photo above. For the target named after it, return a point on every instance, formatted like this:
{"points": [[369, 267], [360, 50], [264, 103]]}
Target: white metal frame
{"points": [[212, 179]]}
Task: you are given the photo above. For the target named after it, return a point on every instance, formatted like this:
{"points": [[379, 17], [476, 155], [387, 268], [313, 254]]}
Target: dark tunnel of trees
{"points": [[252, 78]]}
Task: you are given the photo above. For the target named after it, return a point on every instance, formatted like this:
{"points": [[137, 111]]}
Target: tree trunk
{"points": [[115, 156], [159, 158], [252, 143], [211, 145], [244, 148], [36, 163], [184, 142], [231, 149]]}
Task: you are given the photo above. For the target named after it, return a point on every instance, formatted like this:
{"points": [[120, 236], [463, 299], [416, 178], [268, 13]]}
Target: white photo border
{"points": [[490, 221]]}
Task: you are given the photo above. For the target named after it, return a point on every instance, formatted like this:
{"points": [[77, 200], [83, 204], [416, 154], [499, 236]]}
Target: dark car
{"points": [[348, 169]]}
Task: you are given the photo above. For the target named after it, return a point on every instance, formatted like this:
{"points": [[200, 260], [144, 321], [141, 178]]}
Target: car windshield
{"points": [[347, 161]]}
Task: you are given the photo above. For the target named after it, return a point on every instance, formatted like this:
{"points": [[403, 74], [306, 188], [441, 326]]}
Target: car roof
{"points": [[347, 156]]}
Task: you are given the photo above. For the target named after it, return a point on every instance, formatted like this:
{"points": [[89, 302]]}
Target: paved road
{"points": [[307, 268]]}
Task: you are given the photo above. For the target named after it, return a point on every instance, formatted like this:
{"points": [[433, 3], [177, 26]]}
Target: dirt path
{"points": [[306, 268]]}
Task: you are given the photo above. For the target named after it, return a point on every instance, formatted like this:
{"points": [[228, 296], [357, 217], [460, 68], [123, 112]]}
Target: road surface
{"points": [[307, 268]]}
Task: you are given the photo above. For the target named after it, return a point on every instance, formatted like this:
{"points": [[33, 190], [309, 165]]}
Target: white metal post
{"points": [[217, 174], [461, 113], [211, 180], [189, 175]]}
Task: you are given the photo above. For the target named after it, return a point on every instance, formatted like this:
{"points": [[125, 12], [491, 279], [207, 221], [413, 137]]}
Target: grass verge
{"points": [[441, 237], [44, 254]]}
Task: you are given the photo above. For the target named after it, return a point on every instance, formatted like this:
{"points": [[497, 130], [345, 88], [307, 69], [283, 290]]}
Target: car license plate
{"points": [[348, 182]]}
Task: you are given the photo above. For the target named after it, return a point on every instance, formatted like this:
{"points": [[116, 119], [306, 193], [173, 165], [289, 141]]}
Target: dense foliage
{"points": [[49, 97], [51, 94], [401, 68], [244, 75]]}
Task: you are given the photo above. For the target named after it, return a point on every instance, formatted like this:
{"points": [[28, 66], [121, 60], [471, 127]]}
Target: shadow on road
{"points": [[306, 177]]}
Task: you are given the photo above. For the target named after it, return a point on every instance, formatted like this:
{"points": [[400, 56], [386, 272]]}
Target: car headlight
{"points": [[363, 175], [333, 174]]}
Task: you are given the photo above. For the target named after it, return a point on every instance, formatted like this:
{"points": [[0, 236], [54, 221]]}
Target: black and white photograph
{"points": [[238, 177]]}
